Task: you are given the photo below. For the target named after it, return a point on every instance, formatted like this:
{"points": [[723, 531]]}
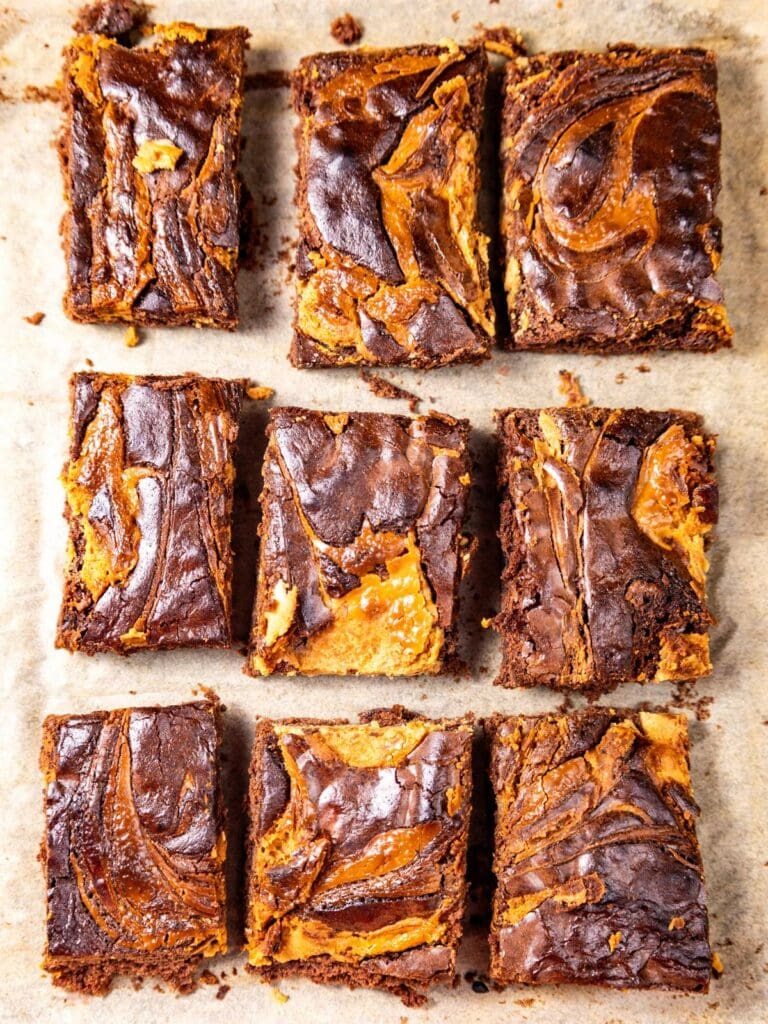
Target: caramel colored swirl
{"points": [[609, 197], [392, 267], [355, 839], [135, 851], [596, 852]]}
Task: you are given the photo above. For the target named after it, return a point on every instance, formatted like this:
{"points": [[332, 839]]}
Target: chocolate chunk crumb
{"points": [[386, 389], [479, 986], [346, 30], [222, 991], [114, 18]]}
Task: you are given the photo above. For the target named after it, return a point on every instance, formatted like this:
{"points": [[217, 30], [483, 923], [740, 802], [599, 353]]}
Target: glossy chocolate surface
{"points": [[391, 267], [149, 151], [360, 537], [134, 848], [597, 863], [149, 486], [357, 847], [611, 173], [604, 523]]}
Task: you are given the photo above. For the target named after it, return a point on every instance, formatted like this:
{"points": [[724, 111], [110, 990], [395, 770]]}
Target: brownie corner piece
{"points": [[134, 848], [362, 551], [149, 491], [598, 869], [368, 888], [605, 518], [397, 272], [149, 153], [611, 170]]}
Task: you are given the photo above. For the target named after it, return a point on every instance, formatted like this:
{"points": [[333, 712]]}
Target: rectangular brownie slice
{"points": [[604, 522], [149, 488], [598, 870], [149, 154], [391, 266], [357, 850], [134, 848], [361, 550], [611, 169]]}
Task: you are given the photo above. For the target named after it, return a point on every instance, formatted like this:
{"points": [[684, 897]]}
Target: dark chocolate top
{"points": [[598, 868], [391, 266], [358, 838], [149, 501], [611, 172], [134, 847], [604, 519], [362, 514], [149, 154]]}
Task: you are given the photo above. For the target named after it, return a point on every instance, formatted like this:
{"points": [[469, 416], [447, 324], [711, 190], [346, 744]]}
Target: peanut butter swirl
{"points": [[135, 849], [149, 501], [391, 266], [357, 847], [605, 519], [599, 877], [611, 172], [361, 547]]}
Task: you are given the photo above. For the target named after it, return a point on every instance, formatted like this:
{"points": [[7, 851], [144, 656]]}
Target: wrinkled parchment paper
{"points": [[729, 388]]}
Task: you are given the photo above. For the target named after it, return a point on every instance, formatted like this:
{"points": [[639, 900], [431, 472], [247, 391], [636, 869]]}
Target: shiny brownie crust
{"points": [[357, 850], [611, 171], [149, 491], [134, 848], [605, 519], [598, 870]]}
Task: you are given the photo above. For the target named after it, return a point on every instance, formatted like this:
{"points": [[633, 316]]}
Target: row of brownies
{"points": [[605, 516], [357, 849], [609, 167]]}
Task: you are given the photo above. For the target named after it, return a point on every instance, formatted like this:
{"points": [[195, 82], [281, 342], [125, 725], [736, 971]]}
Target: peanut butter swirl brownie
{"points": [[611, 170], [391, 267]]}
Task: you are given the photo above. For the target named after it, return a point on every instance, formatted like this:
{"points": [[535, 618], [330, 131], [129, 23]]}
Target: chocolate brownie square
{"points": [[149, 154], [361, 550], [149, 486], [611, 170], [391, 267], [605, 518], [598, 870], [134, 848], [357, 850]]}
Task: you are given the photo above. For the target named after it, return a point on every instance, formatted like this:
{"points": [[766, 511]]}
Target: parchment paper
{"points": [[729, 388]]}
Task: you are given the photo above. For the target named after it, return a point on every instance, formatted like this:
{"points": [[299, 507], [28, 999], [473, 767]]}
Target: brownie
{"points": [[149, 154], [149, 488], [391, 266], [361, 550], [134, 848], [611, 169], [604, 522], [357, 850], [599, 876]]}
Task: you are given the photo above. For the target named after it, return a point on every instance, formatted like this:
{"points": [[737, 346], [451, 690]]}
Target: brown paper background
{"points": [[729, 388]]}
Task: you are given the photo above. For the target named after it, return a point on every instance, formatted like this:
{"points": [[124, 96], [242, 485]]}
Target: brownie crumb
{"points": [[386, 389], [208, 978], [259, 393], [222, 991], [570, 388], [132, 337], [114, 18], [42, 93], [455, 16], [500, 39], [35, 319], [479, 986], [346, 30], [643, 368], [684, 697], [281, 997], [272, 78], [620, 377]]}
